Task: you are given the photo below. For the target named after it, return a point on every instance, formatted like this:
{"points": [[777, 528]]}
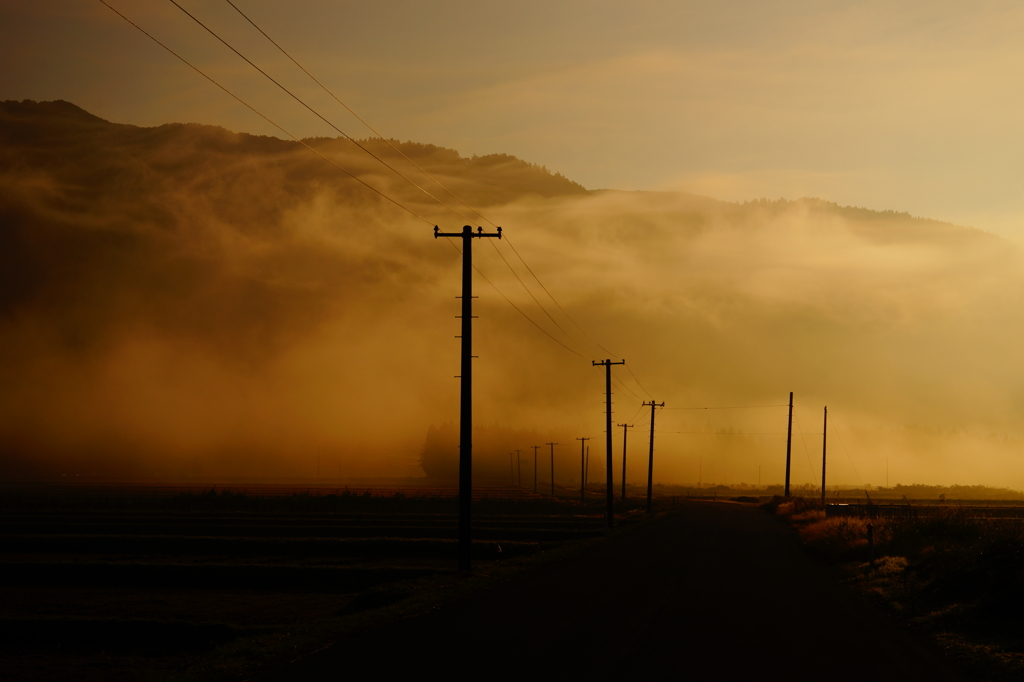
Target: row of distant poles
{"points": [[466, 417], [516, 465], [466, 409], [824, 447]]}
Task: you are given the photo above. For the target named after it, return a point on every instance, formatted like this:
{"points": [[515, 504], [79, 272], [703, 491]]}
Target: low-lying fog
{"points": [[185, 301]]}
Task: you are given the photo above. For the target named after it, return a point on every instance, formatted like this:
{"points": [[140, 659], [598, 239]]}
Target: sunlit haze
{"points": [[741, 199]]}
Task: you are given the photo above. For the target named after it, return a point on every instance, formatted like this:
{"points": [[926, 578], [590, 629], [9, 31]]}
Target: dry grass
{"points": [[837, 538], [957, 578]]}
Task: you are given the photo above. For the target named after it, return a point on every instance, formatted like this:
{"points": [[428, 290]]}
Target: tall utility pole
{"points": [[607, 364], [519, 468], [650, 457], [824, 432], [583, 467], [552, 467], [534, 466], [625, 430], [789, 442], [466, 393]]}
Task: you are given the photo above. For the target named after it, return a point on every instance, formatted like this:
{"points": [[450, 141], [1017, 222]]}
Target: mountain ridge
{"points": [[62, 111]]}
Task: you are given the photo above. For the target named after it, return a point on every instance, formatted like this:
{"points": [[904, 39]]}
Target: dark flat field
{"points": [[710, 592], [101, 584]]}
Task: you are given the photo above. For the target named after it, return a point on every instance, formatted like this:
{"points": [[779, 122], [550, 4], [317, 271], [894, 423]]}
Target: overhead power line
{"points": [[638, 383], [638, 411], [498, 251], [321, 155], [360, 146], [625, 388], [351, 111], [731, 407], [555, 301], [807, 452], [518, 310], [387, 165], [311, 109], [835, 429], [425, 173], [265, 118], [715, 433]]}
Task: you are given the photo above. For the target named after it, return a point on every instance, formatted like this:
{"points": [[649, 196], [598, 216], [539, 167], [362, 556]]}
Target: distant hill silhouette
{"points": [[187, 299]]}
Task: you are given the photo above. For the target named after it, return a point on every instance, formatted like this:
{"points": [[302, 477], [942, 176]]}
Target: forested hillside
{"points": [[184, 300]]}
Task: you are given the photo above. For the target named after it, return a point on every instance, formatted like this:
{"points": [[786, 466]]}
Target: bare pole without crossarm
{"points": [[650, 458], [625, 430], [534, 466], [583, 468], [824, 432], [552, 467], [466, 393], [789, 442]]}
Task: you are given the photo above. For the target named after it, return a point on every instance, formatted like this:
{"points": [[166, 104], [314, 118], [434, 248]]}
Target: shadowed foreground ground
{"points": [[714, 590]]}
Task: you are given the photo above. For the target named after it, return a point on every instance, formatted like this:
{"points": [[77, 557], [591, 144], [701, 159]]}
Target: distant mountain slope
{"points": [[186, 299]]}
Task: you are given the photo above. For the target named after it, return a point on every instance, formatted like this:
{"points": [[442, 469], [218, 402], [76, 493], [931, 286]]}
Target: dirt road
{"points": [[713, 591]]}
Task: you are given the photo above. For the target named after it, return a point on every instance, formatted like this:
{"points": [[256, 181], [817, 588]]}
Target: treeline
{"points": [[953, 492], [492, 448]]}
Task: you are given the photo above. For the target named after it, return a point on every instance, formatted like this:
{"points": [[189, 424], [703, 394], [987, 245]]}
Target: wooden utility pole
{"points": [[650, 458], [824, 431], [583, 467], [625, 430], [552, 467], [609, 485], [586, 468], [789, 442], [534, 466], [466, 393]]}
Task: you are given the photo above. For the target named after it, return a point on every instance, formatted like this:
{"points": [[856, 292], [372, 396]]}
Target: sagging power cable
{"points": [[351, 111], [328, 160], [312, 110], [265, 118], [430, 177]]}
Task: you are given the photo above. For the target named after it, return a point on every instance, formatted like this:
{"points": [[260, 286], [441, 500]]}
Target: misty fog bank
{"points": [[184, 300]]}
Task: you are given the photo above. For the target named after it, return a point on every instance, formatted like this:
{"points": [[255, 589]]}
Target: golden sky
{"points": [[295, 325], [910, 106]]}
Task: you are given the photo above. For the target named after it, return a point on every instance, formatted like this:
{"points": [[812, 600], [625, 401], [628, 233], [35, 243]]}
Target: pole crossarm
{"points": [[479, 232]]}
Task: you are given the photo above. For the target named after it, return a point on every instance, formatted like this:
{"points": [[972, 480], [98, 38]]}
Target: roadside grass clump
{"points": [[794, 509], [843, 538], [809, 516], [955, 576], [887, 566]]}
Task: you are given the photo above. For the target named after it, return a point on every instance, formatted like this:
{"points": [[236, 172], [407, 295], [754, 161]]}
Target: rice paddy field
{"points": [[177, 582]]}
